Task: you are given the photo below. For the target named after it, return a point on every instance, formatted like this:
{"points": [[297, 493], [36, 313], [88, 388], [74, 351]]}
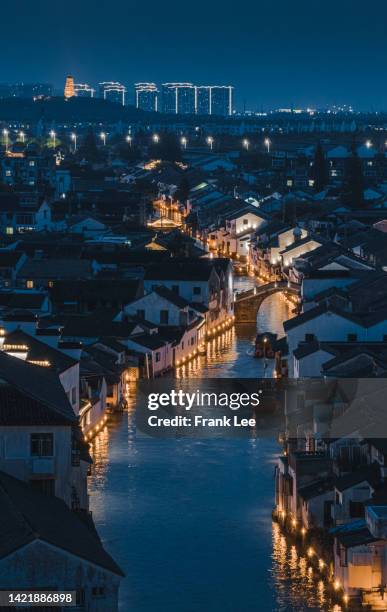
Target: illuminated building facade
{"points": [[146, 96], [178, 98], [214, 100], [69, 91], [83, 90], [112, 91], [203, 103]]}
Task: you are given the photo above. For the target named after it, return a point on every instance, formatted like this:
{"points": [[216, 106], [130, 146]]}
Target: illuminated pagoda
{"points": [[69, 90]]}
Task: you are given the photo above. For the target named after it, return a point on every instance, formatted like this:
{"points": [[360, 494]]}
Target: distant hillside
{"points": [[74, 109]]}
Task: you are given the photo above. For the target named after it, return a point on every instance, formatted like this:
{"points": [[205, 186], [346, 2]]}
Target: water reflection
{"points": [[189, 521], [296, 585], [231, 354]]}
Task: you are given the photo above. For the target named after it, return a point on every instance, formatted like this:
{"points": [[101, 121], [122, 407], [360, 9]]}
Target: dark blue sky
{"points": [[275, 52]]}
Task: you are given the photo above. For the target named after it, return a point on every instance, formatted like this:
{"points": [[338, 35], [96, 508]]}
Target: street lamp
{"points": [[210, 142], [246, 144], [22, 137], [156, 138], [103, 138], [184, 142], [267, 144], [53, 138], [5, 134], [74, 139], [129, 140], [368, 144]]}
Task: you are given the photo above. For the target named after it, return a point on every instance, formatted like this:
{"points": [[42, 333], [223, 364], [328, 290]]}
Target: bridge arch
{"points": [[248, 303]]}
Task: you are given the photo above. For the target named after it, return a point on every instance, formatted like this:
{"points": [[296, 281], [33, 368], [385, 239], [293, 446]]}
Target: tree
{"points": [[167, 148], [128, 153], [320, 170], [182, 191], [354, 182], [89, 149]]}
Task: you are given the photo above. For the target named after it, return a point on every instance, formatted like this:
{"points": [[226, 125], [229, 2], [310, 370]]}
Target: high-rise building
{"points": [[178, 98], [69, 87], [203, 101], [146, 96], [214, 100], [112, 91], [221, 100], [83, 90]]}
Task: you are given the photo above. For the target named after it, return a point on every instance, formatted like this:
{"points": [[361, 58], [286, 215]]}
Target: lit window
{"points": [[30, 284], [9, 230], [32, 162]]}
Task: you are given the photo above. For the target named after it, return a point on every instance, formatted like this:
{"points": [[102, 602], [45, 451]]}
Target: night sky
{"points": [[277, 53]]}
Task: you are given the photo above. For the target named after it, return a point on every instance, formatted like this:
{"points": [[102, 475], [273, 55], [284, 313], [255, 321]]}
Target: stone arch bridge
{"points": [[247, 303]]}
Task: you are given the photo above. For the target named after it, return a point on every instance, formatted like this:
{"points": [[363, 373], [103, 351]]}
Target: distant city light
{"points": [[103, 137], [22, 136], [156, 138], [53, 138], [246, 144], [6, 140], [74, 139], [368, 144], [267, 143], [210, 142], [129, 140], [184, 142]]}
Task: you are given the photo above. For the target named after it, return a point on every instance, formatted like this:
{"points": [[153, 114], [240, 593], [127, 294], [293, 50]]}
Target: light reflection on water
{"points": [[189, 520], [296, 586], [230, 355]]}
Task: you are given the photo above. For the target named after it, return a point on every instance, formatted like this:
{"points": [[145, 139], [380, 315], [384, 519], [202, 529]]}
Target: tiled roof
{"points": [[40, 351], [171, 296], [37, 383], [27, 516], [178, 269]]}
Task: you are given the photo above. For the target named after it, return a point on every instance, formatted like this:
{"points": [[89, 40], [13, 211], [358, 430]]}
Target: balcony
{"points": [[43, 466]]}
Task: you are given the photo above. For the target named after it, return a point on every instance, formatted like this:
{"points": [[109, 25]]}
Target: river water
{"points": [[188, 520]]}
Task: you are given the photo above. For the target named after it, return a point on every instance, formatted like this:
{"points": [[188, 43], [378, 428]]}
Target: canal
{"points": [[189, 521]]}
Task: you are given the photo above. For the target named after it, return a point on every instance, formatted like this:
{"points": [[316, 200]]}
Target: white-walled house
{"points": [[298, 249], [328, 323], [157, 351], [48, 544], [315, 503], [84, 225], [92, 413], [232, 237], [351, 491], [40, 439], [309, 358], [28, 347], [360, 556], [206, 282], [34, 216], [284, 240], [162, 307]]}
